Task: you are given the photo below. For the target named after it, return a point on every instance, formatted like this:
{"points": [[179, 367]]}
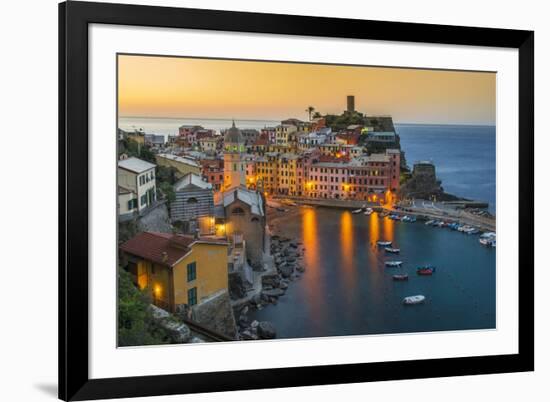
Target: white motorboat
{"points": [[357, 211], [383, 243], [393, 263], [368, 211], [417, 299], [392, 250]]}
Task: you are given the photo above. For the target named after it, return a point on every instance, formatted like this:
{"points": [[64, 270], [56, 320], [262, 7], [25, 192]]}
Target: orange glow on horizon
{"points": [[208, 88]]}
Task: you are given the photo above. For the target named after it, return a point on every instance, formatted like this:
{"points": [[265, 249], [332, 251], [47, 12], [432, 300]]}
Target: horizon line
{"points": [[279, 120]]}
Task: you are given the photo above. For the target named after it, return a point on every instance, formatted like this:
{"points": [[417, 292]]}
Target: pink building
{"points": [[373, 178], [269, 133]]}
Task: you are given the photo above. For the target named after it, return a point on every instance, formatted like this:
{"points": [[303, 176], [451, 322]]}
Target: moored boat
{"points": [[393, 263], [368, 211], [425, 270], [392, 250], [417, 299], [383, 243], [400, 277], [431, 221], [356, 211]]}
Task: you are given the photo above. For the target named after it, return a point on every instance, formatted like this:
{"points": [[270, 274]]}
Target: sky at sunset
{"points": [[203, 88]]}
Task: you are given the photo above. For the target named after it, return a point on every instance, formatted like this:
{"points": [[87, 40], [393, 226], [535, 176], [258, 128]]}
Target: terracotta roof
{"points": [[164, 248]]}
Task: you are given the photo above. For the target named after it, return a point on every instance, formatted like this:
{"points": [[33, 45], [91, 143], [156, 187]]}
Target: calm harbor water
{"points": [[464, 156], [347, 290]]}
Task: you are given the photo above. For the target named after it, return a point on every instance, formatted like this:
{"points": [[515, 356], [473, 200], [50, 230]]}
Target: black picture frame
{"points": [[74, 18]]}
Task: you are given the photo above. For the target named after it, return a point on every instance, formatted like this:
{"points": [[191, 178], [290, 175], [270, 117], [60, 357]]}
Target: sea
{"points": [[465, 156], [347, 289]]}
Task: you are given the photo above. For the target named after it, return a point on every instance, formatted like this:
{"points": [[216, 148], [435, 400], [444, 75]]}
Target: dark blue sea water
{"points": [[347, 290], [465, 157]]}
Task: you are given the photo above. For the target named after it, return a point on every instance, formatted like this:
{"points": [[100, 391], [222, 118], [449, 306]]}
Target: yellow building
{"points": [[287, 174], [282, 133], [266, 172], [182, 164], [178, 270]]}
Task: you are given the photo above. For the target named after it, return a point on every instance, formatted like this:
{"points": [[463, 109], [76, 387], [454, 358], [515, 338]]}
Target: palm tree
{"points": [[310, 110]]}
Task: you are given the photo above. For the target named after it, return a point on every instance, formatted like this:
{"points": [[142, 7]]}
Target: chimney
{"points": [[164, 256]]}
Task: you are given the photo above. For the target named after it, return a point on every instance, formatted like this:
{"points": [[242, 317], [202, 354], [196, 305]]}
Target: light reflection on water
{"points": [[346, 288]]}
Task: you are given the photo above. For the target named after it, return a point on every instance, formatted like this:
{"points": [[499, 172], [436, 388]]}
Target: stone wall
{"points": [[216, 313], [157, 220]]}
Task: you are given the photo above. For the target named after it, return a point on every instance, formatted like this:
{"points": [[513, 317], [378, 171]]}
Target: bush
{"points": [[135, 321]]}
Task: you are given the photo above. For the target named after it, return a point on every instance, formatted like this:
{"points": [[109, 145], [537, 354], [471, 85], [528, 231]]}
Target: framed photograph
{"points": [[257, 200]]}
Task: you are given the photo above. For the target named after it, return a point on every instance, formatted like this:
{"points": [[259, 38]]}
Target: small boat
{"points": [[417, 299], [430, 222], [486, 242], [383, 243], [357, 211], [494, 243], [400, 277], [471, 231], [393, 263], [368, 211], [488, 235], [426, 270], [392, 250], [281, 209]]}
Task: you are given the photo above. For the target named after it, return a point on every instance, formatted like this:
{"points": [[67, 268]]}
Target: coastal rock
{"points": [[266, 330], [271, 280], [248, 336], [277, 292], [286, 270]]}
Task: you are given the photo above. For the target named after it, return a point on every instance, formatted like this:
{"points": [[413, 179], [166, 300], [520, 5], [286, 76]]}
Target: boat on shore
{"points": [[393, 263], [382, 243], [425, 270], [392, 250], [417, 299], [400, 277]]}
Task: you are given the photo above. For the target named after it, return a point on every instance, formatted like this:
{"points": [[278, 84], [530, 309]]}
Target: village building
{"points": [[154, 140], [287, 174], [179, 271], [187, 133], [270, 133], [193, 206], [136, 186], [373, 178], [210, 144], [182, 164], [245, 223], [282, 133], [266, 172], [234, 164], [212, 172]]}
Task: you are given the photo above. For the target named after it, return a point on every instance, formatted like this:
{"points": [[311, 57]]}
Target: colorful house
{"points": [[179, 271]]}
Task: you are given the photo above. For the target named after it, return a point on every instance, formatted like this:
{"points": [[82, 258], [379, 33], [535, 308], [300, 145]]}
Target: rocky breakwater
{"points": [[288, 257]]}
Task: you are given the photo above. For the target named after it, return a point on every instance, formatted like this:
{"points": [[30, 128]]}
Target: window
{"points": [[192, 200], [192, 296], [191, 271], [132, 204], [237, 211], [143, 200]]}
